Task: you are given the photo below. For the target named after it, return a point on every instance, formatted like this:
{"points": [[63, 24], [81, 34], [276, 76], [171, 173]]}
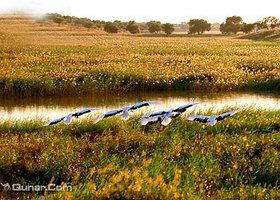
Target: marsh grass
{"points": [[236, 158], [44, 63]]}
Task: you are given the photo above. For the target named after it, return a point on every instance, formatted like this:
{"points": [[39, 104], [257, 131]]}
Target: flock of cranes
{"points": [[164, 116]]}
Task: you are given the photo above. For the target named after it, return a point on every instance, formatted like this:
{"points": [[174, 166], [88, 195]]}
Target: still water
{"points": [[48, 108]]}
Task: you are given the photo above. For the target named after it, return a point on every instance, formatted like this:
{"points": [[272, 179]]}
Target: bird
{"points": [[55, 121], [125, 110], [165, 116], [176, 112], [151, 120], [125, 114], [212, 120], [67, 118], [183, 108], [109, 114], [158, 113], [78, 114]]}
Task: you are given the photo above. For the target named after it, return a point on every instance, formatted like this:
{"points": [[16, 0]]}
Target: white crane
{"points": [[212, 120], [165, 116], [125, 110], [109, 114], [67, 119], [136, 106]]}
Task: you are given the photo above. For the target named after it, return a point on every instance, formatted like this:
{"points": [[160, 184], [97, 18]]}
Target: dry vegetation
{"points": [[49, 60], [237, 159]]}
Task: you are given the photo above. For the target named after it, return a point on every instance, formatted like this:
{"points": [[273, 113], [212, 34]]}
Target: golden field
{"points": [[236, 159], [46, 59]]}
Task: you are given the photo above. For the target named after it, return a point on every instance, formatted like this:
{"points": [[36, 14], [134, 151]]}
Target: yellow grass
{"points": [[78, 57]]}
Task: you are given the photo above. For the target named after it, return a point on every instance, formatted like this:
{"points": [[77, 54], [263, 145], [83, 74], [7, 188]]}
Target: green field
{"points": [[38, 60], [238, 158]]}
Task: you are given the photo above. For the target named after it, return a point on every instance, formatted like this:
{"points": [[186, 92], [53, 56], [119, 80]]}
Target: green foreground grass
{"points": [[237, 158]]}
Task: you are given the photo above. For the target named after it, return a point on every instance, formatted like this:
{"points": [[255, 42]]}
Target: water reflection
{"points": [[18, 109]]}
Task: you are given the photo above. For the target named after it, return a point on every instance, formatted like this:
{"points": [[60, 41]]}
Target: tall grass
{"points": [[33, 63], [237, 158]]}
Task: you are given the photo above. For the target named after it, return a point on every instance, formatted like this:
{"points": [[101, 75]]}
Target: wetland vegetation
{"points": [[35, 61], [237, 158]]}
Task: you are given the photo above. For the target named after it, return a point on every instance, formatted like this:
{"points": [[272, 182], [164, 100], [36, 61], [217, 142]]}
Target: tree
{"points": [[234, 20], [143, 26], [55, 17], [154, 26], [98, 23], [88, 24], [248, 28], [120, 24], [233, 25], [270, 22], [85, 22], [198, 26], [168, 28], [111, 27], [58, 20], [132, 27], [258, 25], [68, 19]]}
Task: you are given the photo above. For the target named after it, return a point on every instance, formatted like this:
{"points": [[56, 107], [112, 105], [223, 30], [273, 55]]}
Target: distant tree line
{"points": [[111, 27], [235, 24], [232, 25]]}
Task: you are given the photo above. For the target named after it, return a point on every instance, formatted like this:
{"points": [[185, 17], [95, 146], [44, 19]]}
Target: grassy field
{"points": [[51, 60], [238, 158]]}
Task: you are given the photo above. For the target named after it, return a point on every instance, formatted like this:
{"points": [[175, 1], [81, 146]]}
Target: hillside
{"points": [[263, 35]]}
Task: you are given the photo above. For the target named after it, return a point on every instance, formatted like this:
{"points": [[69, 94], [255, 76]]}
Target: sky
{"points": [[173, 11]]}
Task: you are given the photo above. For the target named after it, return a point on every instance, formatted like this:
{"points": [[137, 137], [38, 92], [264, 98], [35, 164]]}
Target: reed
{"points": [[239, 157], [40, 63]]}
